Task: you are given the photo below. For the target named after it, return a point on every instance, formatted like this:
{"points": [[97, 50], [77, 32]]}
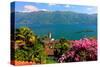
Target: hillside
{"points": [[56, 17]]}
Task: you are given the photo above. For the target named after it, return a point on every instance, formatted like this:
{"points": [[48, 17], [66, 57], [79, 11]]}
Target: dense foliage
{"points": [[35, 53], [81, 50], [61, 47], [25, 34], [32, 49], [28, 48]]}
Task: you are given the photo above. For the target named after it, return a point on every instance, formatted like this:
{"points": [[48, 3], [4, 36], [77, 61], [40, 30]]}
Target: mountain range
{"points": [[55, 17]]}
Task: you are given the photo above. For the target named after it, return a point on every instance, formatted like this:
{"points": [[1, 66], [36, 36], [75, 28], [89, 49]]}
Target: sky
{"points": [[33, 7]]}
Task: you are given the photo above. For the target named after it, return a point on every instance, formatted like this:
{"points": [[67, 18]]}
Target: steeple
{"points": [[49, 35]]}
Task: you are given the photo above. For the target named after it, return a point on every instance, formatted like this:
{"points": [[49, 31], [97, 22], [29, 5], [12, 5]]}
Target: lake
{"points": [[68, 31]]}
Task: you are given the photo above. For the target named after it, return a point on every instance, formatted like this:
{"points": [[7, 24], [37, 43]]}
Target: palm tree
{"points": [[25, 34]]}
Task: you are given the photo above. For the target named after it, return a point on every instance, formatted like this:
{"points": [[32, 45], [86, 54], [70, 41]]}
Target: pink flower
{"points": [[89, 46]]}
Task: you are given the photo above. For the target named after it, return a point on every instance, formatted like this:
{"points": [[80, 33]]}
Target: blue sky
{"points": [[31, 7]]}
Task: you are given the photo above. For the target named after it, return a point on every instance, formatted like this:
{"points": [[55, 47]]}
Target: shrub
{"points": [[82, 50], [35, 53], [39, 53], [29, 47], [25, 34], [61, 48], [21, 55], [51, 60]]}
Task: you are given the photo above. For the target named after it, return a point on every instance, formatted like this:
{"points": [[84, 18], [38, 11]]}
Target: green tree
{"points": [[25, 34], [61, 47], [39, 53]]}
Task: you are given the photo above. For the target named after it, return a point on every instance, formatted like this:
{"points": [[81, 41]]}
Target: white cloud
{"points": [[52, 4], [30, 8], [43, 10], [89, 9]]}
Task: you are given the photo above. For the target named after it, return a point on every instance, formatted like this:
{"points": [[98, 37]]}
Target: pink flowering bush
{"points": [[81, 50]]}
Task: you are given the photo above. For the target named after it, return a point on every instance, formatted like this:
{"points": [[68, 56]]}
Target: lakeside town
{"points": [[31, 49], [45, 33]]}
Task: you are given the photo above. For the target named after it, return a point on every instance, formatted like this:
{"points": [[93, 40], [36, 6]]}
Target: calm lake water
{"points": [[68, 31]]}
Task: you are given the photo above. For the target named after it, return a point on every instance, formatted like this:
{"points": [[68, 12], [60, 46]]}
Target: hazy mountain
{"points": [[56, 17]]}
